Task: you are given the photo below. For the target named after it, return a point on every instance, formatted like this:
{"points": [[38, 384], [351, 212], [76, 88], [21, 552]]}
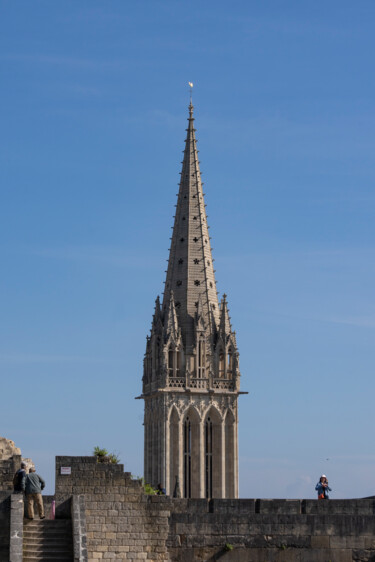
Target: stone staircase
{"points": [[48, 540]]}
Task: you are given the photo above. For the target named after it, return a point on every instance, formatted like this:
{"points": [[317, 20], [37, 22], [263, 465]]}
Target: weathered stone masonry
{"points": [[114, 520], [122, 523]]}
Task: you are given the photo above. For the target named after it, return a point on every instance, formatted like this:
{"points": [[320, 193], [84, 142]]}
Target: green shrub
{"points": [[113, 458], [103, 456], [147, 488], [100, 453]]}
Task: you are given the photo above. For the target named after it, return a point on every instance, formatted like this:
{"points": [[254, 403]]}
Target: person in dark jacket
{"points": [[160, 491], [19, 479], [34, 485]]}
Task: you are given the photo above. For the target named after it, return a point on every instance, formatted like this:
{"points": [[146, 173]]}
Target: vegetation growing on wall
{"points": [[103, 456]]}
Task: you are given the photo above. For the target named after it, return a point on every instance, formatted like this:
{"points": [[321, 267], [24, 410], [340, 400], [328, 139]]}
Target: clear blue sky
{"points": [[93, 114]]}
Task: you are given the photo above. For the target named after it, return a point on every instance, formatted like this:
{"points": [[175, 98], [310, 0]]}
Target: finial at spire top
{"points": [[191, 107]]}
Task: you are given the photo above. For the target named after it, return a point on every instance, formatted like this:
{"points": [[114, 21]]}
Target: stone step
{"points": [[46, 534], [57, 526], [48, 540], [39, 531], [52, 552], [47, 522], [47, 558], [61, 545]]}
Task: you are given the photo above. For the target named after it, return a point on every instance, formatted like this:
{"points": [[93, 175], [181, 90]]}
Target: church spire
{"points": [[191, 369], [190, 273]]}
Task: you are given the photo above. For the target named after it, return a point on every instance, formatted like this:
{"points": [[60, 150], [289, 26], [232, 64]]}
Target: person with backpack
{"points": [[19, 479], [34, 484]]}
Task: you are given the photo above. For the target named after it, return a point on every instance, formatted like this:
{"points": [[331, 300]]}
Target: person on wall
{"points": [[160, 491], [33, 486], [322, 488], [19, 479]]}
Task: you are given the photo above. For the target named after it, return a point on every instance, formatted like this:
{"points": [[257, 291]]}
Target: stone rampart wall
{"points": [[8, 468], [4, 526], [273, 530], [122, 523], [118, 521]]}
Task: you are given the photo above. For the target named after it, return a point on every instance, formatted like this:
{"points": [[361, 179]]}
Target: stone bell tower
{"points": [[191, 374]]}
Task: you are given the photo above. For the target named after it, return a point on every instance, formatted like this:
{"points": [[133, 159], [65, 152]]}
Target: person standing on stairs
{"points": [[33, 486], [19, 479]]}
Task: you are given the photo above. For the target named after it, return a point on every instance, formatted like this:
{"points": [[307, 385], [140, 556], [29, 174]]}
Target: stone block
{"points": [[337, 542], [287, 507], [355, 542], [233, 507], [320, 542], [363, 555], [370, 543]]}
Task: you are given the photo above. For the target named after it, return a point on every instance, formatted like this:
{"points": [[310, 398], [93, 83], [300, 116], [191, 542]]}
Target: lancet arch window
{"points": [[229, 364], [208, 456], [221, 363], [187, 458], [174, 361], [148, 367], [201, 358], [156, 357]]}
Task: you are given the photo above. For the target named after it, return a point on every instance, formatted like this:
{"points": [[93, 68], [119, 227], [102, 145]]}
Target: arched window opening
{"points": [[148, 367], [208, 457], [229, 364], [174, 362], [187, 458], [221, 364], [201, 358], [156, 357], [170, 362], [230, 456], [174, 455]]}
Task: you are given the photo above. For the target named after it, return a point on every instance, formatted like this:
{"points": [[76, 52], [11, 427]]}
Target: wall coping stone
{"points": [[79, 529], [16, 528]]}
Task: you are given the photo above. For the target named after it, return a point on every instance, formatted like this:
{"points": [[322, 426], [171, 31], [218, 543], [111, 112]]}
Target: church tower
{"points": [[191, 374]]}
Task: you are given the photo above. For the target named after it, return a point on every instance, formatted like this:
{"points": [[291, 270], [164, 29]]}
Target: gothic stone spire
{"points": [[191, 371], [190, 271]]}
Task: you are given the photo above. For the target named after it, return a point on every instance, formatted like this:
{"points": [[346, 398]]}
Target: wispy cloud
{"points": [[319, 256], [25, 358], [116, 257], [325, 137], [360, 321]]}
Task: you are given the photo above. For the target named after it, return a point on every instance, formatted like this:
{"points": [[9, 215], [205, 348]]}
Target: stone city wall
{"points": [[4, 526], [273, 530], [114, 519], [8, 468], [122, 523]]}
